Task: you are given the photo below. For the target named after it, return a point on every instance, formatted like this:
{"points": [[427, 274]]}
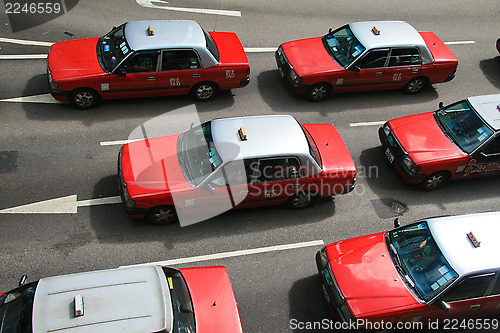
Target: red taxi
{"points": [[233, 162], [145, 59], [458, 141], [131, 299], [365, 56], [443, 267]]}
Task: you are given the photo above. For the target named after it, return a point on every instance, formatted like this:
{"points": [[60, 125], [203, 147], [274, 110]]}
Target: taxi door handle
{"points": [[196, 75], [296, 185], [415, 71], [151, 78], [243, 191], [475, 306], [379, 73]]}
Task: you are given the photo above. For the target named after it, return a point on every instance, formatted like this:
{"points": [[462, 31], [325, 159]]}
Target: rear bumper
{"points": [[244, 82], [450, 77]]}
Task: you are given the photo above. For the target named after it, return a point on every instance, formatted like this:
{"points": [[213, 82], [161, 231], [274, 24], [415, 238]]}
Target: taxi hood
{"points": [[151, 166], [309, 56], [74, 58], [366, 276], [213, 299], [423, 139]]}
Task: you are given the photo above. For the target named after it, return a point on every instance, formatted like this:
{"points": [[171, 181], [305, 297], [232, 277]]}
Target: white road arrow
{"points": [[63, 205], [161, 4]]}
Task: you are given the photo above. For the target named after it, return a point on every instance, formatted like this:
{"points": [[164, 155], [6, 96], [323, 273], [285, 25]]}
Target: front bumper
{"points": [[450, 77], [133, 212], [328, 293], [284, 71], [244, 82], [400, 167]]}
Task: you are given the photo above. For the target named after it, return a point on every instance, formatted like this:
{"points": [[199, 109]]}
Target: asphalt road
{"points": [[52, 150]]}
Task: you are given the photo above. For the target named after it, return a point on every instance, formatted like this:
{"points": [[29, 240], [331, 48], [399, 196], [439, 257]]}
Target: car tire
{"points": [[204, 91], [301, 200], [319, 92], [498, 45], [435, 180], [162, 215], [84, 98], [415, 85]]}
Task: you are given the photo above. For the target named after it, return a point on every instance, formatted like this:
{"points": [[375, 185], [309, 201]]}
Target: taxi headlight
{"points": [[53, 85], [410, 165], [323, 257], [295, 78], [387, 129], [128, 202]]}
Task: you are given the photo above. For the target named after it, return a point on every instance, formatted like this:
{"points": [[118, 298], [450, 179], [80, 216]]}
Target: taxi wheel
{"points": [[162, 215], [204, 91], [415, 85], [435, 181], [84, 98], [319, 92], [498, 45], [300, 200]]}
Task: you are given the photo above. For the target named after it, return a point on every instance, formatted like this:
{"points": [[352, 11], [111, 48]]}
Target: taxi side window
{"points": [[373, 59], [142, 62], [496, 286], [275, 169], [493, 148], [471, 287], [232, 174], [404, 57], [179, 60]]}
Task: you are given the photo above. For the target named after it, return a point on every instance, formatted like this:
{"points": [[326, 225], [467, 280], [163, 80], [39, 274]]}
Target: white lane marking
{"points": [[118, 142], [259, 49], [22, 56], [461, 42], [369, 123], [234, 253], [63, 205], [24, 42], [154, 4], [44, 98]]}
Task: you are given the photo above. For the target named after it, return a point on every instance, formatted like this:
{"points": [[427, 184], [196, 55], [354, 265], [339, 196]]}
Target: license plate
{"points": [[389, 155]]}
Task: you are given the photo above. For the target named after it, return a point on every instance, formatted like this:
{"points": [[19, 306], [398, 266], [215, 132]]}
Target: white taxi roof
{"points": [[391, 34], [131, 299], [450, 234], [167, 34], [267, 136], [488, 107]]}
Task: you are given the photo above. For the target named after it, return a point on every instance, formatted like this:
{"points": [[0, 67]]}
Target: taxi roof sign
{"points": [[376, 31], [242, 133], [473, 239], [150, 30]]}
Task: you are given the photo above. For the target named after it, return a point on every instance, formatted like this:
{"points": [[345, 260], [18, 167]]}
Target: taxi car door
{"points": [[225, 189], [180, 70], [273, 181], [487, 159], [366, 73], [404, 65], [467, 298], [135, 77], [492, 301]]}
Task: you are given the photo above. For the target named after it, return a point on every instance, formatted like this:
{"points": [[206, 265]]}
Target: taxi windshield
{"points": [[182, 305], [343, 46], [16, 309], [113, 47], [422, 263], [463, 125], [198, 155]]}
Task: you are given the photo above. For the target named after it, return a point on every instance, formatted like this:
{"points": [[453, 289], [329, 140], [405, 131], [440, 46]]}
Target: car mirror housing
{"points": [[22, 280], [443, 305], [397, 223], [120, 72], [440, 105], [355, 68]]}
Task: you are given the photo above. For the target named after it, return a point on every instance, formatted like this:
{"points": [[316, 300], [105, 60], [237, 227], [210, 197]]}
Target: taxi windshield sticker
{"points": [[106, 48]]}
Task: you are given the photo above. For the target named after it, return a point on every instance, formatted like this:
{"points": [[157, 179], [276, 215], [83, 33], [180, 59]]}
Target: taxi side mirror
{"points": [[443, 305], [210, 188], [397, 223], [120, 72], [356, 69], [441, 104]]}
